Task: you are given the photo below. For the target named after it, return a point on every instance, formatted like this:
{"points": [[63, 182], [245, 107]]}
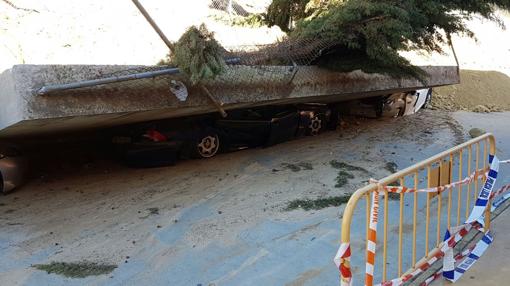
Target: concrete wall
{"points": [[149, 99], [10, 102]]}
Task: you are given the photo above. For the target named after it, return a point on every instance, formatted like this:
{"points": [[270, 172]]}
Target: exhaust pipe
{"points": [[13, 167]]}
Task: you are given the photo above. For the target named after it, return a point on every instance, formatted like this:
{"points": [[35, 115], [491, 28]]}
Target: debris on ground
{"points": [[347, 167], [297, 167], [479, 91], [476, 132], [317, 204], [343, 178], [391, 167], [76, 269], [153, 211]]}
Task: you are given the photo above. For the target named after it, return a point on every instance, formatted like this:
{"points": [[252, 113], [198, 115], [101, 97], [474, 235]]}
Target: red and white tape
{"points": [[342, 262], [403, 190]]}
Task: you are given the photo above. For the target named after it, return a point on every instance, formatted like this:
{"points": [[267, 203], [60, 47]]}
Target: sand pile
{"points": [[479, 91]]}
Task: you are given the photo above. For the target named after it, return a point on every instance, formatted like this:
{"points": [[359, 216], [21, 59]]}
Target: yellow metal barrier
{"points": [[438, 170]]}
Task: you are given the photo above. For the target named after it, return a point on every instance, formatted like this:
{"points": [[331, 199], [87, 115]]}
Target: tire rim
{"points": [[208, 146], [315, 125]]}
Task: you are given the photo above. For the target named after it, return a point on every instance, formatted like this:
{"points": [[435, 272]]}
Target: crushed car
{"points": [[393, 105], [161, 143]]}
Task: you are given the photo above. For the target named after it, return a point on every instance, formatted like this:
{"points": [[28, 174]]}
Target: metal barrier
{"points": [[470, 160]]}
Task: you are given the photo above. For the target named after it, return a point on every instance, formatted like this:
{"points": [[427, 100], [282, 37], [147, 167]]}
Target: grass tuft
{"points": [[343, 178], [317, 204], [343, 174], [346, 167], [76, 269]]}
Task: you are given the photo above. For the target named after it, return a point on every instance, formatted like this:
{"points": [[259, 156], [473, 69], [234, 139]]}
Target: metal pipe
{"points": [[427, 213], [385, 239], [89, 83], [401, 229], [468, 196], [415, 210], [114, 79]]}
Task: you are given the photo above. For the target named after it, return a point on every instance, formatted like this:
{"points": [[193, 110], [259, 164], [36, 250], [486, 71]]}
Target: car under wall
{"points": [[162, 143]]}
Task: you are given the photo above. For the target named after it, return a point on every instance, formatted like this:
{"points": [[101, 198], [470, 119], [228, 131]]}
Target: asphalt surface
{"points": [[222, 221]]}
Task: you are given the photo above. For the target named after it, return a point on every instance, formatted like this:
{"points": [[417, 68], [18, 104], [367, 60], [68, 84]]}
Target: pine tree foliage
{"points": [[198, 55], [370, 33]]}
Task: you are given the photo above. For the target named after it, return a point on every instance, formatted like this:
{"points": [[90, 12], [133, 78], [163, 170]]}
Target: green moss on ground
{"points": [[317, 204], [76, 269]]}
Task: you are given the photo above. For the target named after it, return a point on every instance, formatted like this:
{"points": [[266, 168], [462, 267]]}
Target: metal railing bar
{"points": [[459, 192], [427, 215], [385, 239], [468, 196], [415, 210], [449, 211], [401, 229]]}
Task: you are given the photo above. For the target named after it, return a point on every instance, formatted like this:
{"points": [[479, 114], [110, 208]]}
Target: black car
{"points": [[163, 142]]}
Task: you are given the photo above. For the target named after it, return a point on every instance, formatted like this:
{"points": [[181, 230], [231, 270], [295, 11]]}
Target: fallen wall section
{"points": [[24, 112]]}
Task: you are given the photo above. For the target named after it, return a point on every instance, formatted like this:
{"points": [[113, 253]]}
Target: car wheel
{"points": [[207, 145], [315, 125]]}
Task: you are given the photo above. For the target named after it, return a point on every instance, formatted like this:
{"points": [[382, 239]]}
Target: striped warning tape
{"points": [[452, 273], [485, 194], [342, 261], [474, 176], [404, 190], [439, 274]]}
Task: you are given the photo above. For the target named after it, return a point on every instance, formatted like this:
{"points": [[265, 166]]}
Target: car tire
{"points": [[206, 145]]}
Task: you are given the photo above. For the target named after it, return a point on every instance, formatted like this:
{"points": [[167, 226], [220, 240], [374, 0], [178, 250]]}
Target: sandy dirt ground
{"points": [[212, 222], [479, 91]]}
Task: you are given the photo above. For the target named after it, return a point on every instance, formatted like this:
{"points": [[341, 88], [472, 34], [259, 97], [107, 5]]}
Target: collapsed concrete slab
{"points": [[23, 111]]}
